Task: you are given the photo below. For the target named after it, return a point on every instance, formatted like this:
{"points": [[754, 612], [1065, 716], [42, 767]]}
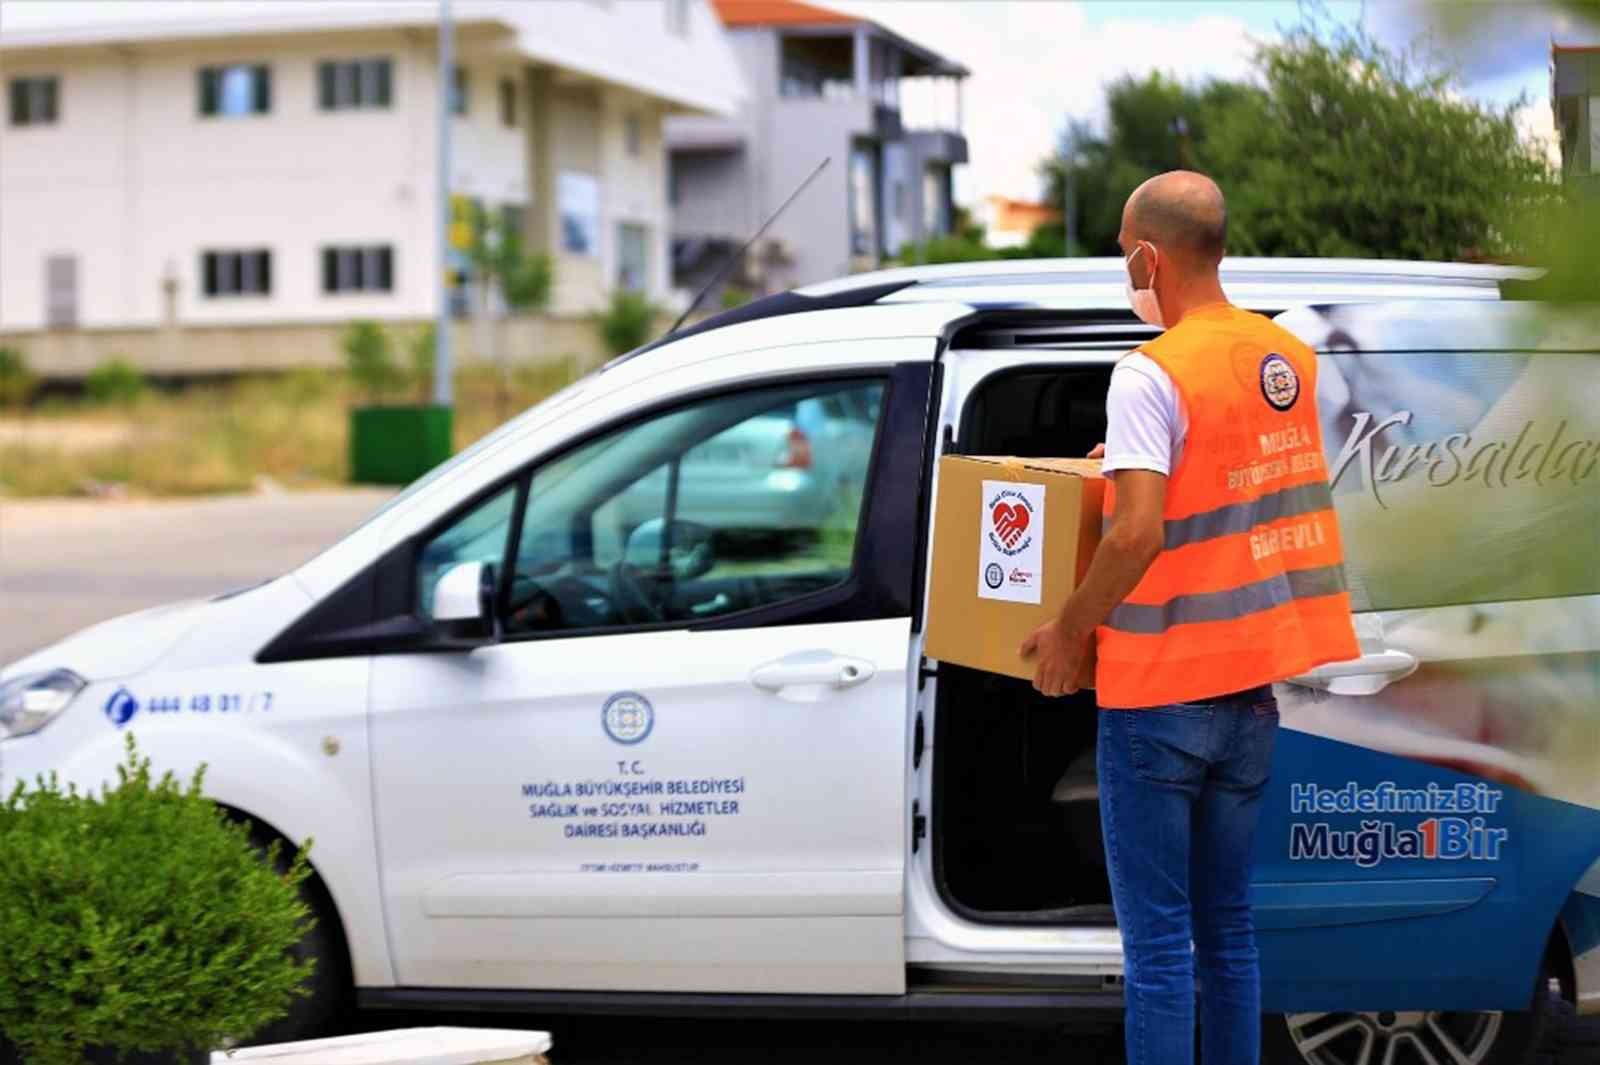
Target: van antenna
{"points": [[738, 255]]}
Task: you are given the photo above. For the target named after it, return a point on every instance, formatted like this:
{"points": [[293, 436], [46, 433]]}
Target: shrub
{"points": [[140, 920], [369, 357], [114, 381], [952, 249], [628, 322], [16, 379], [735, 296]]}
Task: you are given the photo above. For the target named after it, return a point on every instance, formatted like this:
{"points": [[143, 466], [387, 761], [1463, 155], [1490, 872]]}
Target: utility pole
{"points": [[441, 335], [1069, 202]]}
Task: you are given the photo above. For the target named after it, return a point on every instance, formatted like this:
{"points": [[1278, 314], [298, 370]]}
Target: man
{"points": [[1220, 572]]}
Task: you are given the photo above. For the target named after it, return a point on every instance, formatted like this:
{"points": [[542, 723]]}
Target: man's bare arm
{"points": [[1131, 544]]}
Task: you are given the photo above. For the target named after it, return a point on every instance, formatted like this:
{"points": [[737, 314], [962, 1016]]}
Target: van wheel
{"points": [[1396, 1037], [325, 1006]]}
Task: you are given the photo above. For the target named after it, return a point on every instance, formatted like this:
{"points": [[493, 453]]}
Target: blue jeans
{"points": [[1180, 796]]}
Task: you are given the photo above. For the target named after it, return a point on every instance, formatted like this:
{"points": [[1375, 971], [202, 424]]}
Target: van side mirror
{"points": [[463, 604]]}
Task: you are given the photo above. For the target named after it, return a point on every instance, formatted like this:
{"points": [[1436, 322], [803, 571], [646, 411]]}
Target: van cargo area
{"points": [[1016, 817]]}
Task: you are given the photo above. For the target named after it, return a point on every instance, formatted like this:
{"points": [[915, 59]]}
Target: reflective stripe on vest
{"points": [[1249, 587], [1230, 604], [1242, 517]]}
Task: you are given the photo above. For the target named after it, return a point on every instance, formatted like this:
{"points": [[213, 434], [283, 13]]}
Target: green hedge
{"points": [[140, 919]]}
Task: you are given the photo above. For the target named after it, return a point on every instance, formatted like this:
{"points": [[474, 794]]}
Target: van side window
{"points": [[479, 536], [724, 505]]}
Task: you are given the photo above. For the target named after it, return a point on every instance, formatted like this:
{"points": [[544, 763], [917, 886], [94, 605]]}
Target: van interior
{"points": [[1015, 825]]}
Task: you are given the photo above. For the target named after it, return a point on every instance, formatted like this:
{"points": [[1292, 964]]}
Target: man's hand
{"points": [[1060, 656]]}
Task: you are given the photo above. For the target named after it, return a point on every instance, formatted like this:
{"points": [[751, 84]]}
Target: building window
{"points": [[508, 102], [578, 201], [237, 90], [236, 273], [33, 101], [863, 200], [935, 213], [358, 268], [460, 89], [678, 17], [632, 135], [349, 84], [633, 257], [818, 66], [61, 291], [1592, 164]]}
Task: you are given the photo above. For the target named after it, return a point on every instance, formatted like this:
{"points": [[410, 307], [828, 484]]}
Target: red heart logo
{"points": [[1010, 522]]}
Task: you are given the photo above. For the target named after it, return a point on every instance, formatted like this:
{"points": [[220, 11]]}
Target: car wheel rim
{"points": [[1394, 1037]]}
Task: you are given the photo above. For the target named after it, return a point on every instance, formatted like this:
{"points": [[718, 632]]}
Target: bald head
{"points": [[1180, 212]]}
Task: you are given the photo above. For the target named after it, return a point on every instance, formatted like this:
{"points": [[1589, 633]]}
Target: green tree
{"points": [[1357, 150], [422, 349], [1343, 148], [1154, 124], [499, 259]]}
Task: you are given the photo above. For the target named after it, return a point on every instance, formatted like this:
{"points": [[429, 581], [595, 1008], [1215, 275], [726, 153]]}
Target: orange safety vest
{"points": [[1250, 586]]}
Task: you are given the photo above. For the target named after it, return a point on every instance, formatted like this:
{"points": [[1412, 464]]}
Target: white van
{"points": [[624, 708]]}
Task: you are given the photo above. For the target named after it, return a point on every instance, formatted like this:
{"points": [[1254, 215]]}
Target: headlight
{"points": [[28, 702]]}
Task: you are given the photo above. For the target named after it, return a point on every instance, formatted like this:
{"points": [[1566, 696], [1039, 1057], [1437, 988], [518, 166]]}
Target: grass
{"points": [[214, 438]]}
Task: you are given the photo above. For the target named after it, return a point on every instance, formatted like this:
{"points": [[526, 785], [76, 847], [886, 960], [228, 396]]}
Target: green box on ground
{"points": [[396, 445]]}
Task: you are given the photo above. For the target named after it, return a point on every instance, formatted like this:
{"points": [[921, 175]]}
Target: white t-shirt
{"points": [[1146, 424]]}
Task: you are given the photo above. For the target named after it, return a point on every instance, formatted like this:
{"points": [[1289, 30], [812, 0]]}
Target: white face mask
{"points": [[1143, 300]]}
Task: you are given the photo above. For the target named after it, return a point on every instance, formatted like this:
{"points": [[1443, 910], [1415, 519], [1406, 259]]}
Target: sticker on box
{"points": [[1011, 552]]}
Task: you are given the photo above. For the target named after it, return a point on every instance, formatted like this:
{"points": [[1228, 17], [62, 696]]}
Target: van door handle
{"points": [[1367, 675], [812, 670]]}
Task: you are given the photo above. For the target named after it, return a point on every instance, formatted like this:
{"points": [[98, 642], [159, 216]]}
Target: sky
{"points": [[1036, 62]]}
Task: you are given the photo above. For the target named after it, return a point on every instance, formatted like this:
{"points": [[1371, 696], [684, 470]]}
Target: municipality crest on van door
{"points": [[628, 717]]}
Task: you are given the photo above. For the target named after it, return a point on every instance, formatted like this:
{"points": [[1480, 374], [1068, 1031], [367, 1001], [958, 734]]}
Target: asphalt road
{"points": [[69, 563], [64, 565]]}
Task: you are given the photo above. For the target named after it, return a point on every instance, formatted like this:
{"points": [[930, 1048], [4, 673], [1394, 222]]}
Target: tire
{"points": [[1483, 1038], [325, 1008]]}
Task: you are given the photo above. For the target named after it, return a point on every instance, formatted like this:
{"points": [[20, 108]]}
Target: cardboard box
{"points": [[1011, 539]]}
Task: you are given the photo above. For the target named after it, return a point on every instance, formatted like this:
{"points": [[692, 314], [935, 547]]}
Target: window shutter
{"points": [[379, 79], [325, 75], [263, 89], [208, 271], [209, 90], [47, 99], [264, 272], [330, 270], [383, 268]]}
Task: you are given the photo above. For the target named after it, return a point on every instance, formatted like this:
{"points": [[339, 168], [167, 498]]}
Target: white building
{"points": [[822, 85], [253, 163]]}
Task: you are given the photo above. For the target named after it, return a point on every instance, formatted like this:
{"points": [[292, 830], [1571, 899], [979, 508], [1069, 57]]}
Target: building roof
{"points": [[1020, 216], [778, 13], [695, 71]]}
